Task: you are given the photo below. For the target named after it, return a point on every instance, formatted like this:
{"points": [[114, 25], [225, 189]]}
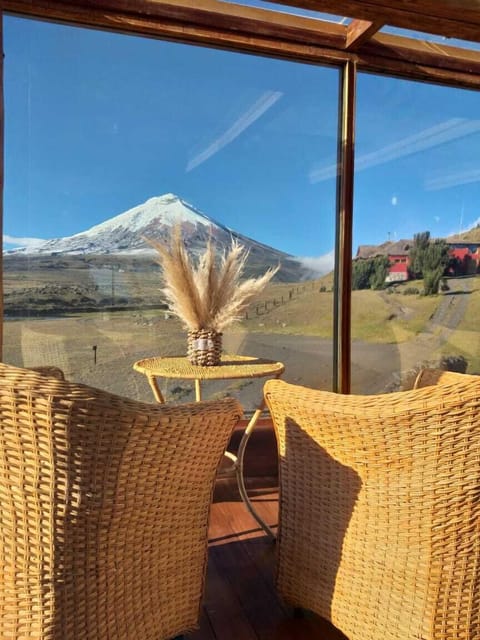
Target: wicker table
{"points": [[230, 368]]}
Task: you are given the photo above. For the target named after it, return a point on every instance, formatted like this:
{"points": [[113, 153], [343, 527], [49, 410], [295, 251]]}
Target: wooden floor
{"points": [[240, 599]]}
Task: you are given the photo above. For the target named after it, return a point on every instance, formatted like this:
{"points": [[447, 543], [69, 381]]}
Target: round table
{"points": [[231, 367]]}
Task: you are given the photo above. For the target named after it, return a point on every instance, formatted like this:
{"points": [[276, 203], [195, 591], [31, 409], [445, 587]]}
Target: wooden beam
{"points": [[201, 13], [451, 18], [185, 32], [418, 72], [421, 52], [242, 31], [443, 17], [359, 32], [230, 17]]}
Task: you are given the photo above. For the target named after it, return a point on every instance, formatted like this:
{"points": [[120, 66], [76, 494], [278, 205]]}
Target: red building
{"points": [[464, 258], [398, 270]]}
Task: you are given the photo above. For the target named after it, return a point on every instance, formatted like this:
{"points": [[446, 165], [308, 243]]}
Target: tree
{"points": [[370, 273], [379, 271], [420, 244], [435, 260], [361, 270], [428, 259]]}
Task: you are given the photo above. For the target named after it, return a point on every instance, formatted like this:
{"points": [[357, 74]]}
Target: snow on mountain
{"points": [[124, 235], [166, 209]]}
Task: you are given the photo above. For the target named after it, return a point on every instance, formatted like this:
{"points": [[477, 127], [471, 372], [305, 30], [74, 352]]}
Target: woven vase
{"points": [[204, 347]]}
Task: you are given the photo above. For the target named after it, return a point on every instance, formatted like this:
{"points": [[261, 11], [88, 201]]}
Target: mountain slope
{"points": [[124, 235], [472, 235]]}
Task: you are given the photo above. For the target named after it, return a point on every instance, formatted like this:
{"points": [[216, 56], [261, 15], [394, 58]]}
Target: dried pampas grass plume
{"points": [[208, 294]]}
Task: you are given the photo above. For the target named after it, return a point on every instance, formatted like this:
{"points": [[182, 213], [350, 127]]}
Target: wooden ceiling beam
{"points": [[420, 52], [449, 18], [256, 31], [187, 31], [359, 32], [374, 64], [446, 17], [204, 13]]}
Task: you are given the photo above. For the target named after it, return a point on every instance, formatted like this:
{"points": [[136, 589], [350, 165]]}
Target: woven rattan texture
{"points": [[232, 366], [204, 347], [380, 508], [104, 506], [428, 377]]}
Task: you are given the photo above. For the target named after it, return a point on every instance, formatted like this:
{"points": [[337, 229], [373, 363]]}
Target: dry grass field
{"points": [[392, 333]]}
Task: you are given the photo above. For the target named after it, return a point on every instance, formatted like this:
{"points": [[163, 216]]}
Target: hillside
{"points": [[119, 245], [125, 237], [46, 285], [402, 247], [472, 235]]}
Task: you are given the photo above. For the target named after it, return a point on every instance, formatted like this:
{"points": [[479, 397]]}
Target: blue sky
{"points": [[97, 123]]}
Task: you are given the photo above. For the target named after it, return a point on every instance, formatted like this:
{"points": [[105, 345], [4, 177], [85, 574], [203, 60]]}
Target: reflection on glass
{"points": [[285, 8], [110, 138], [416, 232]]}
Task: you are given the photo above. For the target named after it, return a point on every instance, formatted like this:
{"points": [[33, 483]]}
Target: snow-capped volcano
{"points": [[124, 233], [122, 237]]}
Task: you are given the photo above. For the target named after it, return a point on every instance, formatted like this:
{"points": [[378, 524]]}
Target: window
{"points": [[417, 170], [99, 124]]}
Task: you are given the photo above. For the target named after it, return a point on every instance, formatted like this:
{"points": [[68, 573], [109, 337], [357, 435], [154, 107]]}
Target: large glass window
{"points": [[416, 250], [100, 124]]}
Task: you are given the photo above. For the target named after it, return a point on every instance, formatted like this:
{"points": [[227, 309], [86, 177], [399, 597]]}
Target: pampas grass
{"points": [[208, 294]]}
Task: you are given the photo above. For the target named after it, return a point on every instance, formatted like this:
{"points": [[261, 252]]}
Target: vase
{"points": [[204, 347]]}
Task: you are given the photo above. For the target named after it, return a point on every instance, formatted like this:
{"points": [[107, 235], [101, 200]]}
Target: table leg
{"points": [[156, 389], [239, 471], [198, 390]]}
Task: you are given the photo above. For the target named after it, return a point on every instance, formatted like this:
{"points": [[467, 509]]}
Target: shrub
{"points": [[454, 363]]}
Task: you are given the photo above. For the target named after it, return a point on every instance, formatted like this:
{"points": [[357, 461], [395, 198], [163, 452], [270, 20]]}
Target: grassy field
{"points": [[293, 322], [465, 339], [103, 284], [378, 317], [307, 309]]}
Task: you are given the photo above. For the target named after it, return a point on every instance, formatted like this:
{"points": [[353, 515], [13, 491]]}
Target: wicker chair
{"points": [[104, 506], [380, 508], [429, 376], [47, 370]]}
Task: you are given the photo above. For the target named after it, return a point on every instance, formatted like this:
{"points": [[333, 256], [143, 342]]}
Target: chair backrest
{"points": [[431, 376], [380, 508], [104, 506], [48, 370]]}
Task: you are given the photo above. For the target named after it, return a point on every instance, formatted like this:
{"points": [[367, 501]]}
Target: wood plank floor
{"points": [[240, 599]]}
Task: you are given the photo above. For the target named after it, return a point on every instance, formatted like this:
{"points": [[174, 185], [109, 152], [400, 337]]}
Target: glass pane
{"points": [[100, 125], [285, 8], [417, 170]]}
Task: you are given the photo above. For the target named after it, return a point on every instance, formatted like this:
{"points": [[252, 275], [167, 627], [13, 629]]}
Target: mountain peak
{"points": [[124, 234], [166, 198], [153, 219]]}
